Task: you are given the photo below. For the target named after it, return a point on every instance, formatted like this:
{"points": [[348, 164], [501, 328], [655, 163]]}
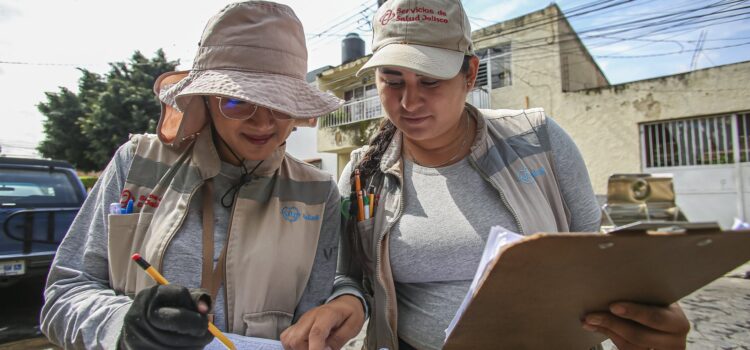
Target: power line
{"points": [[360, 10], [675, 52], [574, 37], [698, 49]]}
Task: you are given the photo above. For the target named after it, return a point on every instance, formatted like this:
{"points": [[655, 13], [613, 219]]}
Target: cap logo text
{"points": [[387, 17], [415, 14]]}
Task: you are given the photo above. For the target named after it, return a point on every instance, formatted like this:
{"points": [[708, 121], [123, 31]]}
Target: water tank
{"points": [[352, 48]]}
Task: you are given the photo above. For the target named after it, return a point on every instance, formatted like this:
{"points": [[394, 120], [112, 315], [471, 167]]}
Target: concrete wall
{"points": [[604, 122], [535, 59], [578, 70]]}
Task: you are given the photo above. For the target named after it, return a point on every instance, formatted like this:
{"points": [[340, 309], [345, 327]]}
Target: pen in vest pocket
{"points": [[367, 201], [117, 208]]}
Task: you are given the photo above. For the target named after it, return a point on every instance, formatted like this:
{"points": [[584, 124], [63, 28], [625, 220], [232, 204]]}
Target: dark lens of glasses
{"points": [[236, 109], [239, 109]]}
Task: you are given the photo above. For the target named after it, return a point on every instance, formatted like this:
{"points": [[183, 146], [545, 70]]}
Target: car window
{"points": [[36, 188]]}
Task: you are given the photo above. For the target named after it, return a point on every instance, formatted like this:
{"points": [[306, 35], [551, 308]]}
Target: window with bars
{"points": [[696, 141], [494, 67]]}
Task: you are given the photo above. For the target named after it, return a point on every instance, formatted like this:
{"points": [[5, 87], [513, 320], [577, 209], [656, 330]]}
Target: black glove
{"points": [[166, 316]]}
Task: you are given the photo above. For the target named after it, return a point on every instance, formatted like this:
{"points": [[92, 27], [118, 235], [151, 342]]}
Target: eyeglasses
{"points": [[241, 110]]}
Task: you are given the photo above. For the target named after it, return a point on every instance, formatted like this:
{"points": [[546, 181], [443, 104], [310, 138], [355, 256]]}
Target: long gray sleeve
{"points": [[320, 285], [574, 182], [81, 311]]}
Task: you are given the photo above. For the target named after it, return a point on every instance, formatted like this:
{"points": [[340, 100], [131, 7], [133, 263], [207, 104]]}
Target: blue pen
{"points": [[128, 208]]}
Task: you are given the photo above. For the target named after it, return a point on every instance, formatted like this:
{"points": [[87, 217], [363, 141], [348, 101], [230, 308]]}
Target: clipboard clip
{"points": [[666, 227]]}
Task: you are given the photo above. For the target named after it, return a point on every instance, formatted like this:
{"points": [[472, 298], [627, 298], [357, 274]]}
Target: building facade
{"points": [[693, 125]]}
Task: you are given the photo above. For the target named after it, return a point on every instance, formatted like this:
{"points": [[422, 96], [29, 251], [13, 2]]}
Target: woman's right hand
{"points": [[326, 326], [167, 316]]}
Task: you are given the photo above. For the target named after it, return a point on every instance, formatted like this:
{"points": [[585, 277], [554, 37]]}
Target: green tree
{"points": [[86, 128]]}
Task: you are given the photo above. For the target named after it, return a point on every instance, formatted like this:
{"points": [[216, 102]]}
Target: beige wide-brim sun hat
{"points": [[253, 51], [428, 37]]}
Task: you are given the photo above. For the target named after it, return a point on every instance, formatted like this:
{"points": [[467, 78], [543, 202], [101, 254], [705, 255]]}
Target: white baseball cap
{"points": [[429, 37]]}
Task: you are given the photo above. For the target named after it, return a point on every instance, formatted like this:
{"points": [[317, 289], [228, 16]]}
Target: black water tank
{"points": [[352, 48]]}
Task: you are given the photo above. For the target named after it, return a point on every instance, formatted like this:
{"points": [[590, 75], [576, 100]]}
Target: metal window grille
{"points": [[494, 67], [695, 141]]}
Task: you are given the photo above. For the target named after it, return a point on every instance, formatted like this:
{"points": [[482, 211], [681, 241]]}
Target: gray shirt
{"points": [[436, 245], [81, 311]]}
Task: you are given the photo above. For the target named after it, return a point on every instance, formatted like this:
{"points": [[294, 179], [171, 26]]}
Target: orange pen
{"points": [[360, 200]]}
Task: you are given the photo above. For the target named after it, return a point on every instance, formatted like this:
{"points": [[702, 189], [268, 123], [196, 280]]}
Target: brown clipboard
{"points": [[538, 289]]}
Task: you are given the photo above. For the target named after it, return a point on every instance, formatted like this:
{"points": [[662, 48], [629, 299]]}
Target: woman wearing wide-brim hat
{"points": [[216, 203], [446, 172]]}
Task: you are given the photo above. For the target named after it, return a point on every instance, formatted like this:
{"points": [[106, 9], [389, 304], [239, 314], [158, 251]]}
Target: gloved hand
{"points": [[167, 316]]}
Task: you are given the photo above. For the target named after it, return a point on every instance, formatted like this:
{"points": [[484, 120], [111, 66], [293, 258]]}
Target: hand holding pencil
{"points": [[168, 316]]}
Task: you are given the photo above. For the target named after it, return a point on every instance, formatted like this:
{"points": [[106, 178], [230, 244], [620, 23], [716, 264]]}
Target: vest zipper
{"points": [[226, 256], [500, 191], [380, 244]]}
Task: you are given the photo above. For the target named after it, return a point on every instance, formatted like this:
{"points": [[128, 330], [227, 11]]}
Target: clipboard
{"points": [[537, 290]]}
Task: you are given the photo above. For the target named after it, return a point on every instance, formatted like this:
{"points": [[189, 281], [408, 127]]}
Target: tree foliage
{"points": [[87, 128]]}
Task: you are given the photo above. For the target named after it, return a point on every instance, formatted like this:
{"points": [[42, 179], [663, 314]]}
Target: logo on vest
{"points": [[527, 177], [308, 217], [290, 214]]}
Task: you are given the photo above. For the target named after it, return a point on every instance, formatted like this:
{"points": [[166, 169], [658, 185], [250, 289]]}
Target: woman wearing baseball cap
{"points": [[446, 172], [212, 201]]}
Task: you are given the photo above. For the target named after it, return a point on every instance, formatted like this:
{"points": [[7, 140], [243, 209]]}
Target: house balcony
{"points": [[353, 112], [349, 127]]}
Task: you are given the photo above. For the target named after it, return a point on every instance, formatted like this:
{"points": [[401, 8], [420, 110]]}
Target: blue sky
{"points": [[619, 70], [47, 40]]}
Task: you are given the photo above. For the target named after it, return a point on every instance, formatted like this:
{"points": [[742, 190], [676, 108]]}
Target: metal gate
{"points": [[709, 158]]}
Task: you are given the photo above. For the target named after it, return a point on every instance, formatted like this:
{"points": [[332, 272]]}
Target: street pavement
{"points": [[720, 313]]}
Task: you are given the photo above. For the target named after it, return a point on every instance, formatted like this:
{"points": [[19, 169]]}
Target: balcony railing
{"points": [[370, 108], [353, 112]]}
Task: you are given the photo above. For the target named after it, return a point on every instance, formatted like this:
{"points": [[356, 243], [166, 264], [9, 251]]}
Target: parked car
{"points": [[38, 201]]}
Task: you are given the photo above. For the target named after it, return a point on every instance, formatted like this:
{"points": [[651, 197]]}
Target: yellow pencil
{"points": [[372, 204], [151, 271]]}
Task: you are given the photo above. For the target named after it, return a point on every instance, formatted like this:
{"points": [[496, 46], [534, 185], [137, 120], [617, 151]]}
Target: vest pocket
{"points": [[268, 324], [125, 237], [366, 242]]}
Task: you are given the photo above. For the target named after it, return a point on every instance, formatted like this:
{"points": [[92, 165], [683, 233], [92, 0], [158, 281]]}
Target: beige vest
{"points": [[272, 237]]}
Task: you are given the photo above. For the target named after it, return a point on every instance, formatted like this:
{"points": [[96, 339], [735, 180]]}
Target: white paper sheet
{"points": [[497, 240], [246, 343]]}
